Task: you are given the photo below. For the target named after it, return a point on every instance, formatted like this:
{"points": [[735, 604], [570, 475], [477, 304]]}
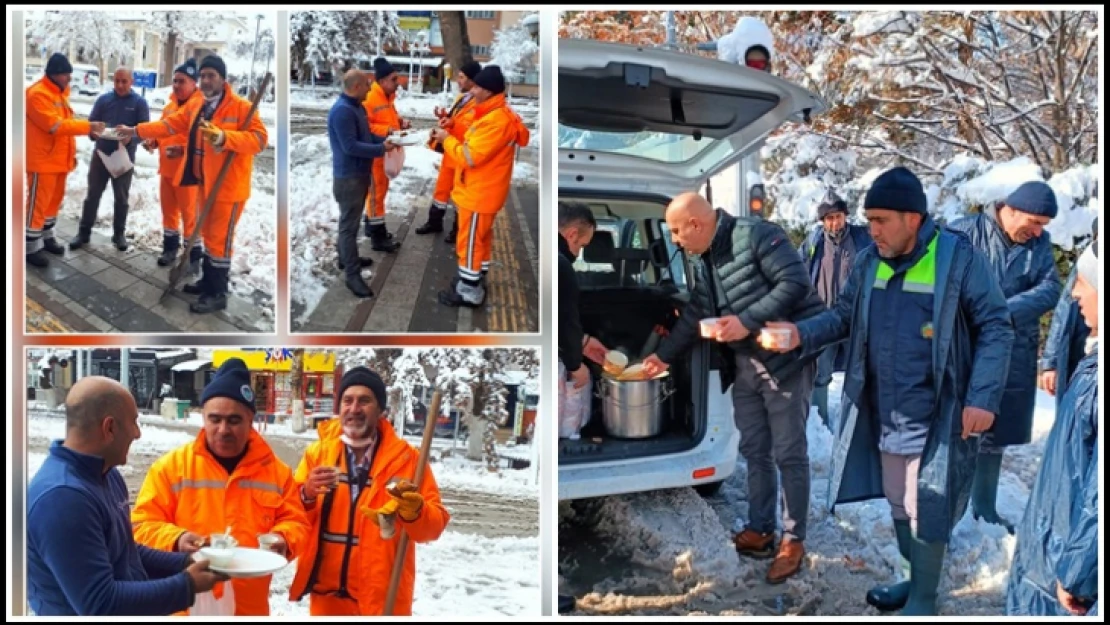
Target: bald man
{"points": [[750, 274], [82, 559], [120, 106], [353, 150]]}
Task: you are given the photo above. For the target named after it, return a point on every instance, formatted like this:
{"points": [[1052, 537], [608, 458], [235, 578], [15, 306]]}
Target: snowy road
{"points": [[485, 564], [670, 553]]}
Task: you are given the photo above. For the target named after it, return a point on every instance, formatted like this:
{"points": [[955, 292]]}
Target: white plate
{"points": [[412, 138], [247, 563]]}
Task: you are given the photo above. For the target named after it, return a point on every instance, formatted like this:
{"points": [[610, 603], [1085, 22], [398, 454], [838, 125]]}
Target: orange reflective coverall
{"points": [[383, 118], [484, 161], [189, 490], [334, 518], [51, 154]]}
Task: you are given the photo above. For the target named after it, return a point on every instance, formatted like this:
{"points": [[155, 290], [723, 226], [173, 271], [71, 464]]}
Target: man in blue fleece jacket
{"points": [[82, 559], [353, 150]]}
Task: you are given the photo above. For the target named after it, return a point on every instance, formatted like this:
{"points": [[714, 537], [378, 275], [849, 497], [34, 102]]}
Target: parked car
{"points": [[85, 79], [637, 127]]}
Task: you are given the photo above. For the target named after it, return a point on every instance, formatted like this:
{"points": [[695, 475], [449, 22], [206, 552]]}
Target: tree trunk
{"points": [[456, 41], [169, 53], [475, 442]]}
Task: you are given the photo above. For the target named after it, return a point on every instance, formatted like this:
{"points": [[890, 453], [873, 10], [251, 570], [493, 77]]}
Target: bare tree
{"points": [[456, 39], [176, 27]]}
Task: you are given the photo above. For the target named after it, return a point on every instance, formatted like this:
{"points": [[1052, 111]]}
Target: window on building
{"points": [[479, 50], [479, 15], [531, 77]]}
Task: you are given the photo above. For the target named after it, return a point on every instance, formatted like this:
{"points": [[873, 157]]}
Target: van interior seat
{"points": [[602, 250]]}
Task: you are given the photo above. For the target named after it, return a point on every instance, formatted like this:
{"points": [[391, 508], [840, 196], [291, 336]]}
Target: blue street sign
{"points": [[145, 80]]}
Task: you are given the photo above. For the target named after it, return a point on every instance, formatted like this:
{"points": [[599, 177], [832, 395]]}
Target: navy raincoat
{"points": [[813, 250], [1028, 277], [973, 337], [1057, 540], [1067, 337]]}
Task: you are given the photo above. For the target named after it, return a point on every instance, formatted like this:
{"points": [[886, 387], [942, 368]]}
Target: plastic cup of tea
{"points": [[268, 541], [775, 338], [709, 327], [615, 363], [218, 556]]}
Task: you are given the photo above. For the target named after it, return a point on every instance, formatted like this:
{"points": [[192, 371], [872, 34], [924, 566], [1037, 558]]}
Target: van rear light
{"points": [[704, 473], [755, 201]]}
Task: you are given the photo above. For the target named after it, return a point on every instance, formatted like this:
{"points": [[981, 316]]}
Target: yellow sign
{"points": [[414, 23], [276, 359]]}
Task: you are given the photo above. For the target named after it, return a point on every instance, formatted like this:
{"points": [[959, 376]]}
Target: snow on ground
{"points": [[670, 552], [413, 105], [254, 259], [456, 574]]}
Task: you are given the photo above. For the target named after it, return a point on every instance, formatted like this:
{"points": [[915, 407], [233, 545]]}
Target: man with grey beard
{"points": [[359, 459]]}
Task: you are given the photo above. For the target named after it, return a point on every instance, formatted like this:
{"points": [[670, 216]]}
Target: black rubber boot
{"points": [[215, 298], [453, 233], [893, 597], [465, 293]]}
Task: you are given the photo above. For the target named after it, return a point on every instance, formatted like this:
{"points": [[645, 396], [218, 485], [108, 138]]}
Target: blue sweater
{"points": [[353, 148], [82, 559], [130, 110]]}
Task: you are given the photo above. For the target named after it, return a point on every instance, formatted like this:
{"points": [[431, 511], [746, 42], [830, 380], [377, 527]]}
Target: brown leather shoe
{"points": [[753, 544], [787, 562]]}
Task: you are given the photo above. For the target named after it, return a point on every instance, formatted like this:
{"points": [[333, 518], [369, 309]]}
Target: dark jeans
{"points": [[350, 194], [98, 181], [772, 423]]}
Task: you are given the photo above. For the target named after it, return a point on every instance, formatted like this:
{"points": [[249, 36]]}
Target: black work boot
{"points": [[453, 233], [435, 221], [215, 297], [120, 242], [380, 241], [170, 245], [38, 259], [465, 293], [52, 246], [81, 240]]}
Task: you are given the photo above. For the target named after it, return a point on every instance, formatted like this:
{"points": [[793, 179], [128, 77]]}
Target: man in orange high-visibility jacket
{"points": [[346, 565], [179, 210], [456, 120], [228, 477], [211, 125], [51, 154], [384, 119], [484, 171]]}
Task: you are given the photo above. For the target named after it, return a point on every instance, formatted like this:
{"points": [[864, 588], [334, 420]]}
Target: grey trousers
{"points": [[350, 195], [900, 485], [772, 424]]}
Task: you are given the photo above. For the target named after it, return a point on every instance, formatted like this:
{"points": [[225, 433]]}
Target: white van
{"points": [[85, 79], [637, 127]]}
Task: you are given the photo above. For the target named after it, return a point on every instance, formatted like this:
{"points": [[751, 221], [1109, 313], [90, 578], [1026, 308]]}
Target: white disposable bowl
{"points": [[218, 557]]}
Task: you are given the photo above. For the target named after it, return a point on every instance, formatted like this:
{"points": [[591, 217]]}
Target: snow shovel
{"points": [[403, 544], [179, 270]]}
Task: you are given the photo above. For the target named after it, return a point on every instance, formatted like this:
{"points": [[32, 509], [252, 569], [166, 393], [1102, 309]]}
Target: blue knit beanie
{"points": [[1034, 197], [232, 380]]}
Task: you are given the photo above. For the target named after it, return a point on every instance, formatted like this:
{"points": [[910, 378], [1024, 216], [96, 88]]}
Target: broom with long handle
{"points": [[422, 463]]}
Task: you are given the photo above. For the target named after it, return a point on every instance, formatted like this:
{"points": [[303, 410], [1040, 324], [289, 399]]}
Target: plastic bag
{"points": [[574, 405], [117, 163], [394, 161], [207, 604]]}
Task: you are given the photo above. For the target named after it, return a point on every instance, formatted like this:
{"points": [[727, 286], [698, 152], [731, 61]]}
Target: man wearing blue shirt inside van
{"points": [[119, 107]]}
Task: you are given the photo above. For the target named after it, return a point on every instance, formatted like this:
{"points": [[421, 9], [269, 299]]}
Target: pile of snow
{"points": [[457, 473], [670, 552], [254, 256], [749, 32]]}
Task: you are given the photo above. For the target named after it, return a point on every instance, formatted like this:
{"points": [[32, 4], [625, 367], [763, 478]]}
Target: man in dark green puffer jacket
{"points": [[750, 274]]}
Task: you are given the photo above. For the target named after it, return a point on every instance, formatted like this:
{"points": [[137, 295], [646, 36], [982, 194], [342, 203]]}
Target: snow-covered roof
{"points": [[191, 365], [416, 60], [166, 354]]}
